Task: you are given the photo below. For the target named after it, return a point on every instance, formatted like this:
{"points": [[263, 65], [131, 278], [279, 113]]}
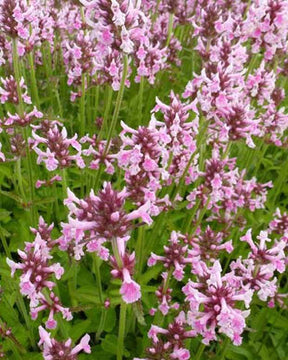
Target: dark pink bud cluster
{"points": [[8, 91], [219, 93], [55, 350], [102, 218], [98, 154], [13, 18], [15, 120], [98, 219], [161, 153], [279, 224], [207, 244], [228, 91], [274, 125], [225, 189], [50, 182], [170, 343], [11, 124], [182, 10], [79, 57], [164, 296], [174, 257], [18, 145], [54, 148], [67, 17], [261, 84]]}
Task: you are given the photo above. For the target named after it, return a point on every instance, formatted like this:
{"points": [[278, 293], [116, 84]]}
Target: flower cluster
{"points": [[97, 154], [57, 147], [53, 349], [37, 270], [218, 296], [9, 93], [170, 341], [257, 271], [266, 26], [102, 218], [160, 154], [30, 24], [225, 189]]}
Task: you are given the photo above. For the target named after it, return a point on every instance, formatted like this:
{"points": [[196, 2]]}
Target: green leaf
{"points": [[110, 320], [80, 329], [110, 344], [87, 294], [239, 350], [5, 215]]}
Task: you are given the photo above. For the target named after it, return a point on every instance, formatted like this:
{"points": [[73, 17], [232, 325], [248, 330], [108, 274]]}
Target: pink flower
{"points": [[130, 291], [181, 354]]}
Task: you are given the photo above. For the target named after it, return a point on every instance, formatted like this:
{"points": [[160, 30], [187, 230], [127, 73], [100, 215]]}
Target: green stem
{"points": [[203, 128], [101, 324], [118, 103], [15, 349], [20, 181], [82, 106], [252, 65], [108, 103], [200, 218], [116, 253], [21, 113], [199, 351], [170, 29], [94, 108], [72, 283], [33, 80], [17, 75], [139, 250], [121, 332], [23, 310], [5, 245], [155, 14], [140, 105], [97, 264], [224, 347], [278, 184], [64, 183], [114, 117], [30, 175]]}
